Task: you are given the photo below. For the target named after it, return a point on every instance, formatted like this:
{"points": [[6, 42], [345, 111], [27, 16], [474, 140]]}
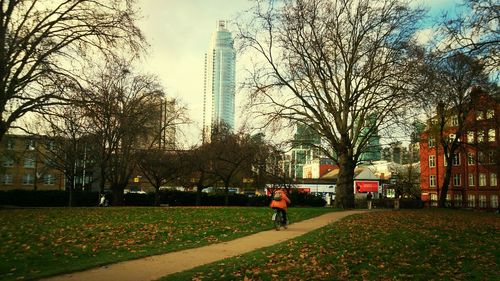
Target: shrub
{"points": [[306, 199], [60, 198], [46, 198]]}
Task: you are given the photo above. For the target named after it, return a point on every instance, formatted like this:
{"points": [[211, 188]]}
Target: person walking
{"points": [[280, 203], [369, 200]]}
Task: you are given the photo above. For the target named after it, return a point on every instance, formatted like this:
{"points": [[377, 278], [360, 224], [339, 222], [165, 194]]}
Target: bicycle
{"points": [[279, 220]]}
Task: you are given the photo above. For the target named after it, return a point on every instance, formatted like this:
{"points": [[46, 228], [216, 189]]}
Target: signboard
{"points": [[365, 186]]}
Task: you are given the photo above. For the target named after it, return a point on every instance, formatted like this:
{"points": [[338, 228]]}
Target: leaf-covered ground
{"points": [[47, 241], [390, 245]]}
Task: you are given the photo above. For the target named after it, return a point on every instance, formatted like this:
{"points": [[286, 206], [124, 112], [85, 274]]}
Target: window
{"points": [[458, 199], [482, 179], [479, 115], [471, 200], [432, 161], [482, 201], [432, 142], [10, 144], [491, 135], [28, 179], [51, 145], [470, 159], [7, 179], [471, 179], [457, 180], [29, 162], [481, 157], [492, 157], [49, 179], [493, 180], [434, 199], [455, 160], [432, 181], [454, 120], [8, 162], [480, 136], [470, 137], [494, 201], [490, 113], [451, 137], [30, 144]]}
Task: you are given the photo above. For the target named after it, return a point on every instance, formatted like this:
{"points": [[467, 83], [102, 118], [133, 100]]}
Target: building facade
{"points": [[373, 148], [24, 165], [316, 168], [304, 150], [219, 83], [473, 182]]}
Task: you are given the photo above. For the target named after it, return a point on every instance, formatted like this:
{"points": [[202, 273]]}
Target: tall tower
{"points": [[219, 84]]}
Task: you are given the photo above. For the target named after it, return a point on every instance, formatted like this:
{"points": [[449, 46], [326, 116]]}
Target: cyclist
{"points": [[279, 203]]}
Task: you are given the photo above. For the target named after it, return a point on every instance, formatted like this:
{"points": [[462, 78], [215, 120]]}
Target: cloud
{"points": [[424, 36]]}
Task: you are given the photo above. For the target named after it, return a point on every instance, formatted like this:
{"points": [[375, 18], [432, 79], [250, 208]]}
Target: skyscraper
{"points": [[219, 84]]}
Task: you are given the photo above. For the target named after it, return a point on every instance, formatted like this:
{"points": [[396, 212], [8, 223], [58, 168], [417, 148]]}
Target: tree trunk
{"points": [[102, 180], [446, 183], [226, 196], [70, 200], [4, 127], [70, 190], [117, 195], [198, 195], [157, 196], [344, 197]]}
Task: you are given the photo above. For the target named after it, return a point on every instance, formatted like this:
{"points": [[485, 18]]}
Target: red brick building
{"points": [[474, 177]]}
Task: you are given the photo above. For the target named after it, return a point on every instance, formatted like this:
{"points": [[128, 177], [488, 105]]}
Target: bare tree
{"points": [[67, 147], [161, 167], [407, 184], [43, 44], [332, 65], [123, 111], [475, 31], [450, 99], [233, 154], [200, 169]]}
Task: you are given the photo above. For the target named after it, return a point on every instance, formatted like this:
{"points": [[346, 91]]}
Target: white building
{"points": [[219, 84]]}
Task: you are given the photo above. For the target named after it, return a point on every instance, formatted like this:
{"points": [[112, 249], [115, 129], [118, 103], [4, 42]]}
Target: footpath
{"points": [[155, 267]]}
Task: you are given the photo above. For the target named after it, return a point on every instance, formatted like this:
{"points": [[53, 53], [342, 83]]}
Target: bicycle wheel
{"points": [[278, 220]]}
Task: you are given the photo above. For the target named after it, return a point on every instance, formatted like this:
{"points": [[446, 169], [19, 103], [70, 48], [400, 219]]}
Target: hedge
{"points": [[57, 198]]}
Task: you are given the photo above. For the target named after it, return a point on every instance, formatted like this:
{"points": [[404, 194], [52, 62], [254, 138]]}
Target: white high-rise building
{"points": [[219, 85]]}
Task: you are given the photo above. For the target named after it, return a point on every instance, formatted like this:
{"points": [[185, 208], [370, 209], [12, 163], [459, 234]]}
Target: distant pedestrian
{"points": [[369, 200], [103, 201]]}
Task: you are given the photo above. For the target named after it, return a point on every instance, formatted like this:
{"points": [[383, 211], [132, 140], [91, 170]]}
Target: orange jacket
{"points": [[283, 203]]}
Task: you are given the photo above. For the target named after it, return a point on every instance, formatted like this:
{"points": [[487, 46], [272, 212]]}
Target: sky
{"points": [[179, 32]]}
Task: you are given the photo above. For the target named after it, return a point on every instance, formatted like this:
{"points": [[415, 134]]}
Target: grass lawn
{"points": [[389, 245], [47, 241]]}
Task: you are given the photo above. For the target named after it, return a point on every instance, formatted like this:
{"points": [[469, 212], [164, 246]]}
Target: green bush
{"points": [[46, 198], [59, 198], [306, 199]]}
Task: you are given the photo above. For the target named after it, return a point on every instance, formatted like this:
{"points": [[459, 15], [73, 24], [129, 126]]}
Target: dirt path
{"points": [[154, 267]]}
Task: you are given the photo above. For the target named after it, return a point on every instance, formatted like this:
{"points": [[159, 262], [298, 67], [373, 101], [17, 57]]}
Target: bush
{"points": [[138, 199], [60, 198], [388, 203], [306, 199], [46, 198]]}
